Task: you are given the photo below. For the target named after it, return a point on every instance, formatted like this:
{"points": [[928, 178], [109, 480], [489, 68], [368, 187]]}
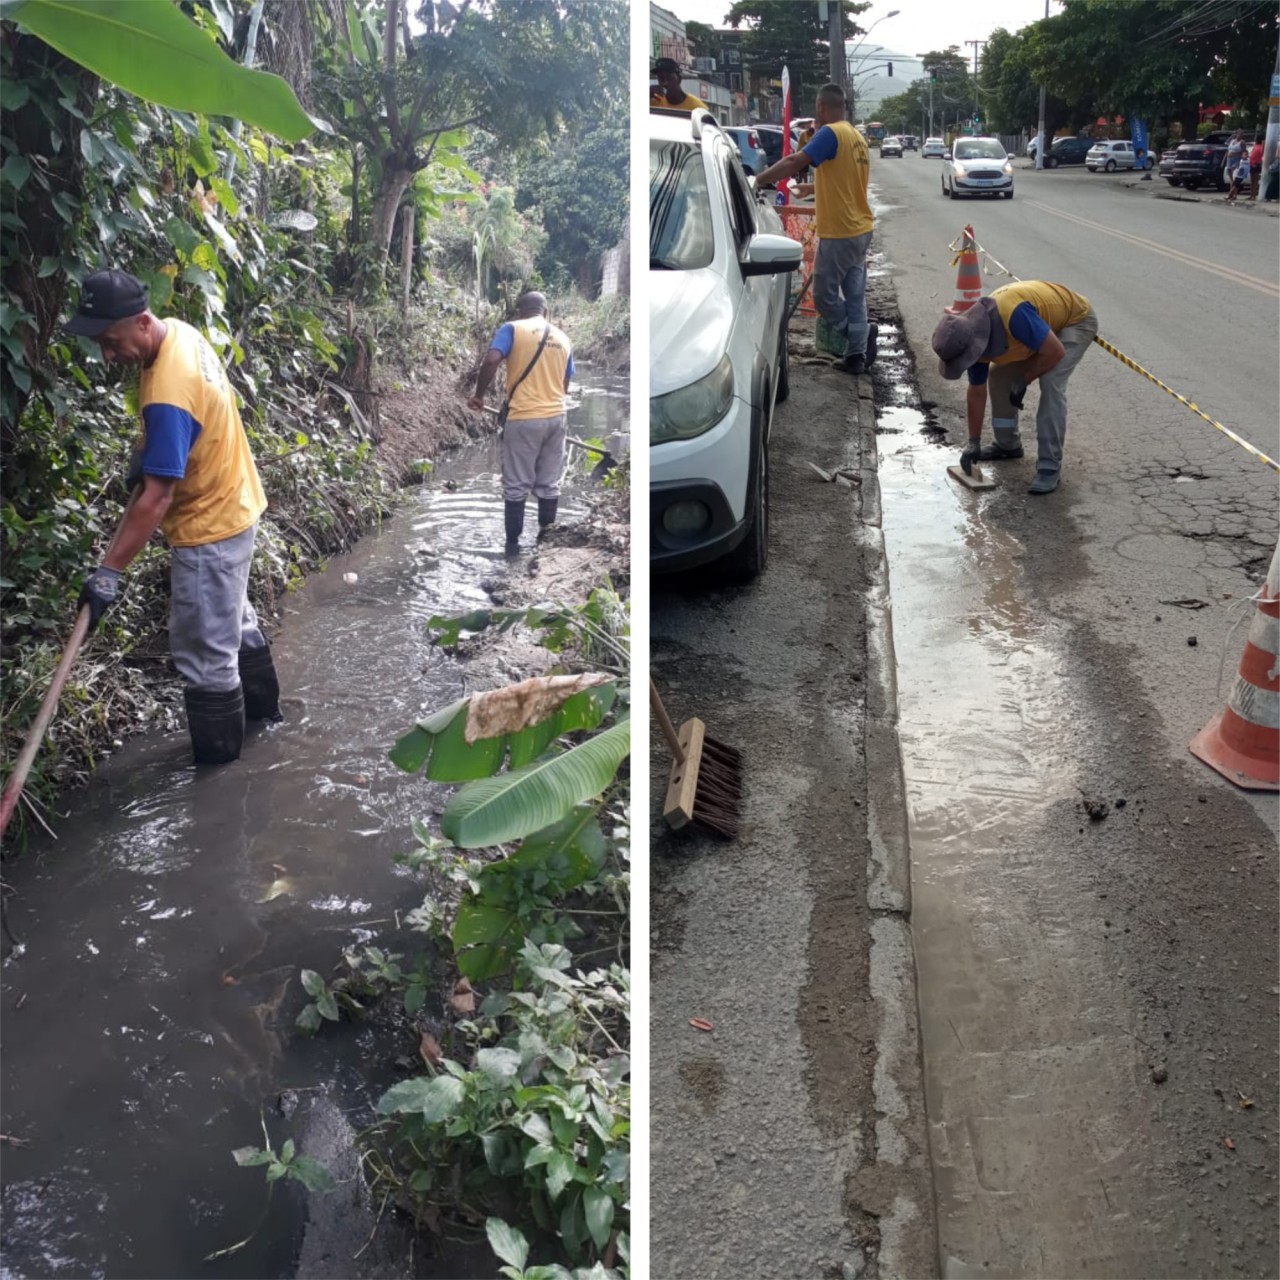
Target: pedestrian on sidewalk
{"points": [[669, 94], [1239, 176], [539, 367], [841, 164], [1255, 166], [1023, 332], [193, 477]]}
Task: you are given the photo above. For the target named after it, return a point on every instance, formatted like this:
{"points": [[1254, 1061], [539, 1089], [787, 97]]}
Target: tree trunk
{"points": [[382, 222], [353, 223], [406, 253]]}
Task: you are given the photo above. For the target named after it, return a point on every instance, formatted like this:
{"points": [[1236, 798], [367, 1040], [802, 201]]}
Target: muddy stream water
{"points": [[147, 1013]]}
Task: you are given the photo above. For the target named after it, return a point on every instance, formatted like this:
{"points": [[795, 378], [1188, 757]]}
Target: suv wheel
{"points": [[1051, 162], [747, 559]]}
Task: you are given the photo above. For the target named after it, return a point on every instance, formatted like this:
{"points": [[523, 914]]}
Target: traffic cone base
{"points": [[1243, 743]]}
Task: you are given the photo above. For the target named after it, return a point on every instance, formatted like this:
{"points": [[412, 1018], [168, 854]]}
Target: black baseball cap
{"points": [[666, 64], [105, 297]]}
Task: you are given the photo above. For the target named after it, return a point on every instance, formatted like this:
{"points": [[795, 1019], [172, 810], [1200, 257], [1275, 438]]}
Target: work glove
{"points": [[133, 476], [99, 593], [1018, 394], [970, 455]]}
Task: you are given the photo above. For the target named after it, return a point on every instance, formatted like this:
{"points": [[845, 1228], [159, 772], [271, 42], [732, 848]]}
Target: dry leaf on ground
{"points": [[463, 999], [430, 1049], [517, 706]]}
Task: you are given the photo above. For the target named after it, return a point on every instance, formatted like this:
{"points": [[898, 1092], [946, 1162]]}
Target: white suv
{"points": [[1111, 155], [718, 290]]}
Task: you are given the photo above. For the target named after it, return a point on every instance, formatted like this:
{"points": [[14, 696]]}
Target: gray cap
{"points": [[961, 338], [105, 297]]}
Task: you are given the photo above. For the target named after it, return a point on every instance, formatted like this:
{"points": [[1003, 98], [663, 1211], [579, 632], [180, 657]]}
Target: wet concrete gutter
{"points": [[793, 1136]]}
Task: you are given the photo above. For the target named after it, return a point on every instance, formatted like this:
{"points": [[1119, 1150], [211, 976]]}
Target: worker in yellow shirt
{"points": [[195, 479], [841, 162], [666, 71]]}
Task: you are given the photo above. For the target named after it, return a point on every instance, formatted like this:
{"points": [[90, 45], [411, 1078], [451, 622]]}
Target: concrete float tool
{"points": [[705, 787]]}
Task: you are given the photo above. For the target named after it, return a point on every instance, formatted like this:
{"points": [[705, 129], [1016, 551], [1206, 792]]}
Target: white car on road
{"points": [[975, 167], [719, 270], [933, 147]]}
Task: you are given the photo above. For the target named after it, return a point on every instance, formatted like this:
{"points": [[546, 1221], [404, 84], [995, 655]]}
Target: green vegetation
{"points": [[1157, 59], [521, 1118], [423, 170]]}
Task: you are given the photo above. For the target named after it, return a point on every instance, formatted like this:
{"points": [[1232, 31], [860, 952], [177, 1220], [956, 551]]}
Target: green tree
{"points": [[781, 31], [519, 68], [579, 191]]}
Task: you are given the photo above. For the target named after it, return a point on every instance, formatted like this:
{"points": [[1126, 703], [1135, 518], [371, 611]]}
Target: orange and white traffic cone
{"points": [[968, 274], [1243, 743]]}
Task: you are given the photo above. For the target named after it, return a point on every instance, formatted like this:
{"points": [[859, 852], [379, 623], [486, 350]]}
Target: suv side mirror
{"points": [[768, 255]]}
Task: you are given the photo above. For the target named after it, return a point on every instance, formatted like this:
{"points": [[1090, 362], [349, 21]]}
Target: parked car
{"points": [[1167, 159], [1110, 154], [910, 142], [1204, 161], [935, 148], [891, 147], [1067, 151], [749, 148], [977, 166], [718, 295]]}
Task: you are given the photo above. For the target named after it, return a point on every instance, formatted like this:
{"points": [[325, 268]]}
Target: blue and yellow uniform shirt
{"points": [[193, 434], [541, 394]]}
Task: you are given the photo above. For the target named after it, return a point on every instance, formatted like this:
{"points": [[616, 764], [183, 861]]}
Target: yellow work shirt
{"points": [[541, 394], [689, 103], [840, 186], [219, 493], [1055, 304]]}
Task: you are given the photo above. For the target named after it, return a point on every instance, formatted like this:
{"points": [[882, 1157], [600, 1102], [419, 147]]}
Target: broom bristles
{"points": [[717, 803]]}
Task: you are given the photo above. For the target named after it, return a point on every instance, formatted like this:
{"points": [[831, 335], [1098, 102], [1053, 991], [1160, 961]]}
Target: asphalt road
{"points": [[1098, 998]]}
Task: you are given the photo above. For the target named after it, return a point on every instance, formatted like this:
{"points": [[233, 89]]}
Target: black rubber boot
{"points": [[547, 513], [215, 718], [999, 453], [260, 684], [873, 342], [513, 515]]}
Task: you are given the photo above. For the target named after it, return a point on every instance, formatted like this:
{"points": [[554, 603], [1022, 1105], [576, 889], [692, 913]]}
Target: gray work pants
{"points": [[1051, 415], [532, 457], [210, 617], [840, 288]]}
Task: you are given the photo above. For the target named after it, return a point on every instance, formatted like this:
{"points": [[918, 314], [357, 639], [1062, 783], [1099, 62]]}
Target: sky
{"points": [[921, 25]]}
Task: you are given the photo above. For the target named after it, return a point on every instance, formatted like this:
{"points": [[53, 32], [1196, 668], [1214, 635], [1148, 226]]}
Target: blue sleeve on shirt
{"points": [[568, 369], [822, 146], [503, 339], [978, 374], [170, 434], [1027, 327]]}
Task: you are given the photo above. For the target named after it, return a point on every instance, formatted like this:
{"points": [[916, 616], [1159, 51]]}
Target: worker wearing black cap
{"points": [[194, 478], [666, 71]]}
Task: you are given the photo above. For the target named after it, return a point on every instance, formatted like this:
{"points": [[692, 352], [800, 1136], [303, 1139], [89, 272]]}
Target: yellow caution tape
{"points": [[1137, 368]]}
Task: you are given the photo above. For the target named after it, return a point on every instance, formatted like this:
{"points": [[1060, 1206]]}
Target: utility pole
{"points": [[835, 37], [1040, 134], [1270, 160], [976, 45]]}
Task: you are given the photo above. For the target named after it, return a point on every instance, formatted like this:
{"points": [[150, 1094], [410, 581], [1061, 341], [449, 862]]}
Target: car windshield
{"points": [[979, 149], [680, 235]]}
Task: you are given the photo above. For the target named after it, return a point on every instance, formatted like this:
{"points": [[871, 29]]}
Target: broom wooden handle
{"points": [[35, 735], [668, 729]]}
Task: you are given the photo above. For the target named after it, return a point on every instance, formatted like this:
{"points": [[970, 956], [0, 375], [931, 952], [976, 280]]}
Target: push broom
{"points": [[705, 787]]}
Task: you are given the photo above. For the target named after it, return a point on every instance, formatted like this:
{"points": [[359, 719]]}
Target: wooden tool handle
{"points": [[35, 735], [668, 729]]}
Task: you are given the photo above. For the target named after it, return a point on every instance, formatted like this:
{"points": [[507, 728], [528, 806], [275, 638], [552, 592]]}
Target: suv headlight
{"points": [[680, 415]]}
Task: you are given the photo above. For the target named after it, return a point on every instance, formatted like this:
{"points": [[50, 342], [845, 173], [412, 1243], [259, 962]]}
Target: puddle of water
{"points": [[1031, 1078], [148, 1014]]}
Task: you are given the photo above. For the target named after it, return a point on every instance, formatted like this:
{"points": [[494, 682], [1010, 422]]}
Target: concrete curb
{"points": [[898, 1186]]}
